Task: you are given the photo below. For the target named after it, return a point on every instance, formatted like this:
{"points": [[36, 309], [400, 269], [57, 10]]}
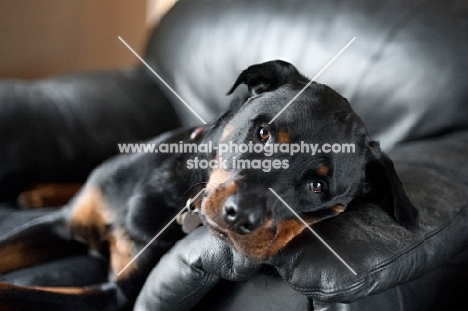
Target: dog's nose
{"points": [[244, 218]]}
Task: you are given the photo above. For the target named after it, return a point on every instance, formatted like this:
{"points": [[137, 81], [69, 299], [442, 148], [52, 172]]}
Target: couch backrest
{"points": [[406, 74]]}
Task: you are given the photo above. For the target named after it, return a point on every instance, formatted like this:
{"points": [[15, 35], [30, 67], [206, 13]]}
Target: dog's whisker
{"points": [[196, 201], [194, 185]]}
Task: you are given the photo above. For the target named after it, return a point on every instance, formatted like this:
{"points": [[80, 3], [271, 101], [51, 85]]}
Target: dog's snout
{"points": [[243, 219]]}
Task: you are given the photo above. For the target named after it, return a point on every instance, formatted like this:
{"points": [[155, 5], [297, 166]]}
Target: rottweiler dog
{"points": [[128, 200]]}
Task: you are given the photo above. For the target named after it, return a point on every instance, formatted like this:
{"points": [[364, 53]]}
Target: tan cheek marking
{"points": [[218, 189], [266, 241], [218, 176], [214, 202], [323, 170], [283, 137], [254, 245], [89, 217], [122, 250], [288, 230], [227, 131]]}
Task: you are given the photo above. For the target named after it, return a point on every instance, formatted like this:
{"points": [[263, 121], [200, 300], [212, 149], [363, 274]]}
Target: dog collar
{"points": [[189, 219]]}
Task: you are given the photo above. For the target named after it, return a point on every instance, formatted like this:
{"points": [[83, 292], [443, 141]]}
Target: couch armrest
{"points": [[58, 129]]}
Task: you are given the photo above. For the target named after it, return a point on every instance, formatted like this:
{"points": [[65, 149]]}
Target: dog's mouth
{"points": [[258, 245], [266, 238], [215, 229]]}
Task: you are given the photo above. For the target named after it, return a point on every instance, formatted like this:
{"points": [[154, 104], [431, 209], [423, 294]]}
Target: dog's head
{"points": [[346, 164]]}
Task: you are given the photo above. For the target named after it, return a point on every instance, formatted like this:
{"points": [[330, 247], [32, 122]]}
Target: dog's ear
{"points": [[268, 76], [383, 185]]}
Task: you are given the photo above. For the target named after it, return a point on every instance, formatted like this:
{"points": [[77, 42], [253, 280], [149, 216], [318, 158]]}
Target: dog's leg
{"points": [[19, 298], [56, 234], [36, 241], [51, 236], [47, 195], [98, 220], [119, 294], [131, 263]]}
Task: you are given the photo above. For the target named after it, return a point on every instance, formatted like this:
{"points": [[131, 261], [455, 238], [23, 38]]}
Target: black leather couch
{"points": [[406, 75]]}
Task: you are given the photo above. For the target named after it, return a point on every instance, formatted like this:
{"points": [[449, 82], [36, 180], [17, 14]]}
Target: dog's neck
{"points": [[205, 135]]}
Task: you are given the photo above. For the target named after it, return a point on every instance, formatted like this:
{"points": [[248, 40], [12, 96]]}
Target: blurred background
{"points": [[49, 37]]}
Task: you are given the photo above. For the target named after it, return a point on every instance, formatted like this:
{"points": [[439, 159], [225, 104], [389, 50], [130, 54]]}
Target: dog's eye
{"points": [[316, 186], [263, 134]]}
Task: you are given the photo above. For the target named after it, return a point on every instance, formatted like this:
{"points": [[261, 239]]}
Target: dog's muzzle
{"points": [[244, 213]]}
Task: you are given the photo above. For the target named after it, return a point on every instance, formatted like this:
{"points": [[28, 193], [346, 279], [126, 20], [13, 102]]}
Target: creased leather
{"points": [[408, 59], [186, 273]]}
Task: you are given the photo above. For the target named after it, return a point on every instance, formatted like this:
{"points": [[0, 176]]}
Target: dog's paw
{"points": [[44, 195]]}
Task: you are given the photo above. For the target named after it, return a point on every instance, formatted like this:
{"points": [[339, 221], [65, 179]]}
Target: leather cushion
{"points": [[405, 74]]}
